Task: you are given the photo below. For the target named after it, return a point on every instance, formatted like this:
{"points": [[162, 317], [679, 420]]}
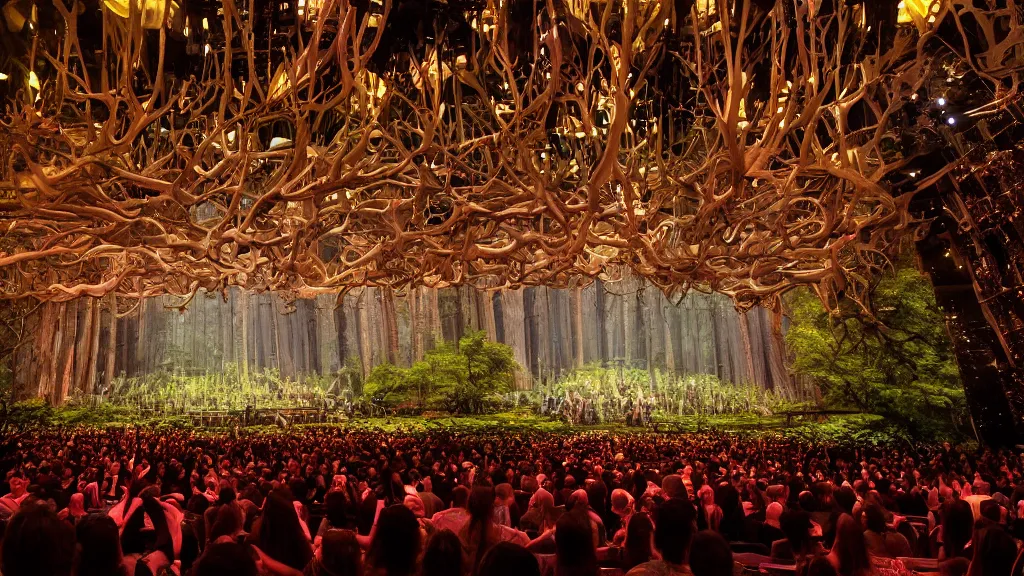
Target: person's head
{"points": [[639, 540], [396, 544], [77, 503], [481, 506], [710, 555], [874, 517], [957, 527], [707, 495], [226, 559], [38, 543], [850, 547], [796, 525], [673, 486], [99, 546], [579, 499], [280, 535], [575, 553], [673, 529], [845, 498], [995, 551], [443, 555], [460, 497], [336, 503], [340, 553], [504, 495], [18, 484], [992, 512], [508, 559], [622, 502], [227, 521]]}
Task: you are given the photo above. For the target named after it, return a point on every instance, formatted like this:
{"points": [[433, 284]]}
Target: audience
{"points": [[143, 503]]}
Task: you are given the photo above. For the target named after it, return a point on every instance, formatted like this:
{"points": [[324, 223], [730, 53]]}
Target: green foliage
{"points": [[467, 379], [674, 394], [898, 364], [229, 390]]}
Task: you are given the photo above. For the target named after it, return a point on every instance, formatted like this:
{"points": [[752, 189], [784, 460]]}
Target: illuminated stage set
{"points": [[604, 212]]}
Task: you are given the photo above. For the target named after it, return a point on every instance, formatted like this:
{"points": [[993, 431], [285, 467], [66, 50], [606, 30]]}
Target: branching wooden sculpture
{"points": [[746, 147]]}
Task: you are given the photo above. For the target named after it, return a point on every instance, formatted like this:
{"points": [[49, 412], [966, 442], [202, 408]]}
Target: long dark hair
{"points": [[639, 530], [340, 553], [575, 554], [280, 534], [994, 552], [850, 547], [100, 546], [481, 518], [957, 528], [443, 556], [396, 543]]}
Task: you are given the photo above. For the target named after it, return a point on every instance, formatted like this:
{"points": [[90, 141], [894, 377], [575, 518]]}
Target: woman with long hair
{"points": [[443, 555], [849, 554], [480, 533], [638, 547], [75, 511], [396, 543], [338, 555], [995, 552], [710, 512], [540, 515], [575, 553], [280, 536], [957, 529], [99, 546]]}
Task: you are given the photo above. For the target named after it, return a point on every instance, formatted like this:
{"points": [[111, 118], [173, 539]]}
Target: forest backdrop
{"points": [[77, 347]]}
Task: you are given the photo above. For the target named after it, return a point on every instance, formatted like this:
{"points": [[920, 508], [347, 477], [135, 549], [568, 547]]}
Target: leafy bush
{"points": [[467, 379], [897, 364]]}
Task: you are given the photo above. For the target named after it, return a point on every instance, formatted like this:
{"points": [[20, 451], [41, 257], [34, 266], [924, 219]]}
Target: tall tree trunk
{"points": [[111, 360], [648, 316], [243, 301], [416, 322], [66, 354], [340, 328], [436, 332], [577, 325], [363, 329], [748, 351], [94, 346], [514, 324], [602, 348], [670, 347], [391, 323], [486, 300]]}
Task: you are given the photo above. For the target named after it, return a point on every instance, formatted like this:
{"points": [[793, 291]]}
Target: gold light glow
{"points": [[280, 83], [150, 12], [919, 12]]}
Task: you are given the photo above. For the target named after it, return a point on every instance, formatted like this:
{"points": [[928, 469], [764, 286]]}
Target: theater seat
{"points": [[750, 547]]}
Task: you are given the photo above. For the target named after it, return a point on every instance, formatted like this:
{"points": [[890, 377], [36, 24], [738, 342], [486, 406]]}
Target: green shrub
{"points": [[894, 360], [467, 379]]}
